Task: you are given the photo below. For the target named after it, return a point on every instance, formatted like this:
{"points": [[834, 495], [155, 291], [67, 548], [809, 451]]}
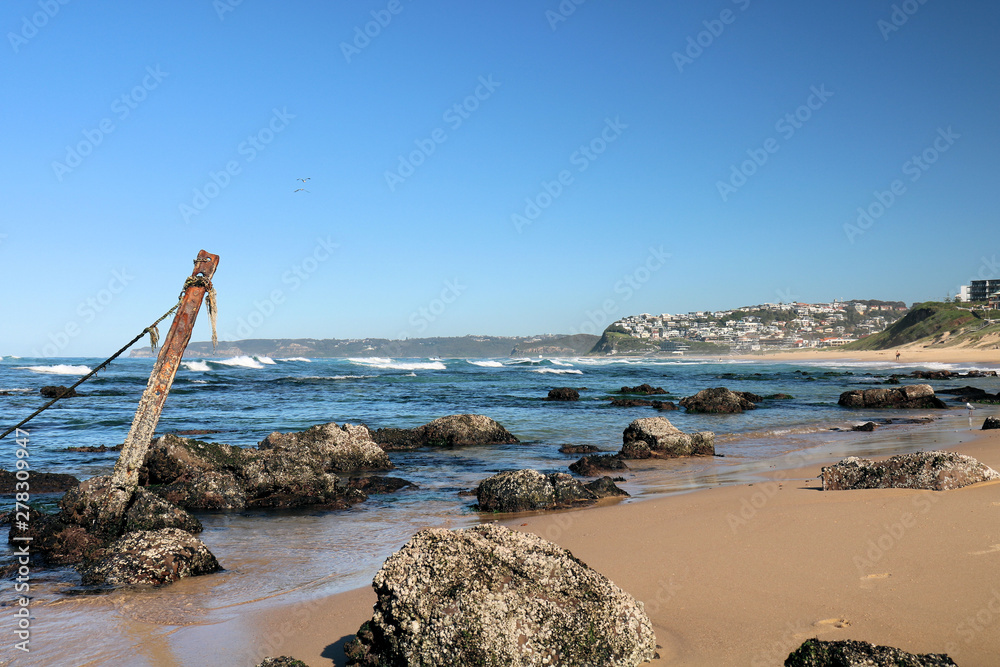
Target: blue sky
{"points": [[503, 168]]}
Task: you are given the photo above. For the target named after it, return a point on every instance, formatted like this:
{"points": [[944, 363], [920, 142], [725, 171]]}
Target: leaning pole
{"points": [[125, 477]]}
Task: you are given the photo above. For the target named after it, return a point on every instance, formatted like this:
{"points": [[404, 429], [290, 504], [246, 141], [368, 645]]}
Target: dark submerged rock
{"points": [[578, 449], [57, 391], [376, 484], [720, 400], [563, 394], [937, 471], [850, 653], [596, 466], [151, 557], [919, 396], [646, 389], [41, 482], [867, 426], [656, 437], [642, 402], [489, 595]]}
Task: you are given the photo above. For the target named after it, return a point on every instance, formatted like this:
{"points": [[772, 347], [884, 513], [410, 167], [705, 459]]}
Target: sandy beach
{"points": [[908, 355], [741, 575]]}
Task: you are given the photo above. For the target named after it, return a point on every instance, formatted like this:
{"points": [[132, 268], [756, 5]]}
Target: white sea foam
{"points": [[16, 390], [556, 362], [295, 359], [196, 366], [486, 364], [333, 377], [241, 361], [59, 369], [559, 371], [388, 364], [266, 360], [199, 381]]}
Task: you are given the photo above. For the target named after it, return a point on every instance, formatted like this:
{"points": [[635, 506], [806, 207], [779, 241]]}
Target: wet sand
{"points": [[741, 575]]}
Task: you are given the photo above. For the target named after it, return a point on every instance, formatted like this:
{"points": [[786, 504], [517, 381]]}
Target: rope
{"points": [[89, 375]]}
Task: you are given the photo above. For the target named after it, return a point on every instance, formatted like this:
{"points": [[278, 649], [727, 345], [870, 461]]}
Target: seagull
{"points": [[301, 190], [303, 179]]}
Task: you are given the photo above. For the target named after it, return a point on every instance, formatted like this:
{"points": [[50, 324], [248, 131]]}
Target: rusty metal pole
{"points": [[125, 477]]}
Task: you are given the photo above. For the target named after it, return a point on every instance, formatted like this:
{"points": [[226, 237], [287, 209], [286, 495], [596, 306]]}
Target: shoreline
{"points": [[761, 567]]}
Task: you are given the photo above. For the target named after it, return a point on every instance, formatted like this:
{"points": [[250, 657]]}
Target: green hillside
{"points": [[930, 322]]}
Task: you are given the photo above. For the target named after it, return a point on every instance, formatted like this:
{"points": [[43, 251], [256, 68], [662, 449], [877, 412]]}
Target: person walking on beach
{"points": [[897, 355]]}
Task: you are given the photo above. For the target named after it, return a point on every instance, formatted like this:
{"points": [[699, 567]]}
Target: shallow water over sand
{"points": [[277, 558]]}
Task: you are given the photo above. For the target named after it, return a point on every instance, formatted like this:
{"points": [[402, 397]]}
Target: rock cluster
{"points": [[850, 653], [656, 437], [292, 470], [937, 471], [909, 396], [283, 661], [450, 431], [991, 423], [152, 543], [527, 490], [945, 375], [721, 400], [489, 595]]}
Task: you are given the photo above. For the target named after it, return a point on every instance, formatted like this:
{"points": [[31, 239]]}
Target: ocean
{"points": [[288, 556]]}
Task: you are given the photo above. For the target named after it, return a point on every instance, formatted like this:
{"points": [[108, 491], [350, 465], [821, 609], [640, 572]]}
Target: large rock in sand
{"points": [[913, 396], [489, 595], [526, 490], [720, 400], [656, 437], [850, 653], [151, 557], [936, 471], [450, 431]]}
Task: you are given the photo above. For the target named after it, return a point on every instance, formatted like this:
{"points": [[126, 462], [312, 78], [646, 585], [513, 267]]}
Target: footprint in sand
{"points": [[870, 581], [881, 575], [823, 627], [992, 550]]}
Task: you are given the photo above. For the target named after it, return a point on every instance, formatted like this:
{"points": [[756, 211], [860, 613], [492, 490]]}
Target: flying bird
{"points": [[303, 179], [301, 190]]}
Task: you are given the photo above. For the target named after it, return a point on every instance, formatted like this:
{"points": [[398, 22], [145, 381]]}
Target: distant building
{"points": [[982, 290], [963, 294]]}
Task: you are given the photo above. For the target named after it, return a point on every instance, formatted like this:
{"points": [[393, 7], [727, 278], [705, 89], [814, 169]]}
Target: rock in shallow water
{"points": [[720, 400], [450, 431], [936, 471], [656, 437], [527, 490], [909, 397], [849, 653], [493, 596], [151, 557]]}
